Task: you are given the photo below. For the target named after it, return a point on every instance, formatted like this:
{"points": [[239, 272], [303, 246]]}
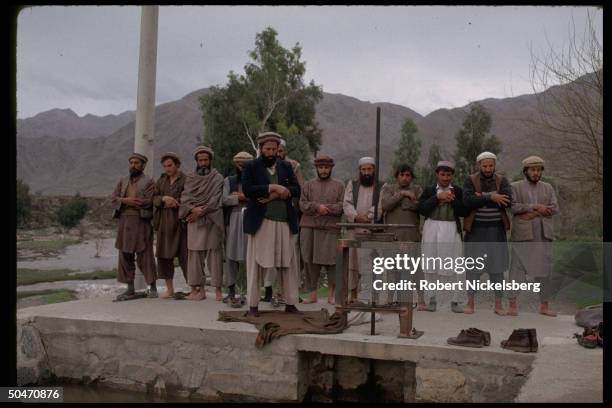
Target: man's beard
{"points": [[487, 175], [324, 177], [532, 180], [202, 171], [269, 161], [366, 179], [135, 172]]}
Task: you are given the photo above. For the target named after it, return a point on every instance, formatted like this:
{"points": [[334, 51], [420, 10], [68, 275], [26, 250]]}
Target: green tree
{"points": [[24, 203], [72, 212], [472, 139], [427, 173], [271, 95], [409, 148]]}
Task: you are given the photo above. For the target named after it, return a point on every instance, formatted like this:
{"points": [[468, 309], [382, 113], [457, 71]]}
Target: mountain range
{"points": [[60, 153]]}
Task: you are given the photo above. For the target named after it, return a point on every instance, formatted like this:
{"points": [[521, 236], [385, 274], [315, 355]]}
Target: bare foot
{"points": [[512, 310], [547, 312], [468, 309], [166, 295], [421, 307], [309, 301], [331, 301], [218, 295], [500, 311], [197, 295]]}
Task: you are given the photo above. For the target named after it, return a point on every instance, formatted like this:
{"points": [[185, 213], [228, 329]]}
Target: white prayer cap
{"points": [[445, 163], [367, 160], [486, 155], [283, 142]]}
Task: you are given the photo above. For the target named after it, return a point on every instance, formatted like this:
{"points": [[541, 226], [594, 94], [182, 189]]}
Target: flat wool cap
{"points": [[201, 149], [268, 137], [324, 160], [533, 161], [486, 155], [169, 155], [242, 157], [140, 157]]}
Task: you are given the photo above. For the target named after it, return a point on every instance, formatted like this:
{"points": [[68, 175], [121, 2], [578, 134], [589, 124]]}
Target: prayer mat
{"points": [[274, 323]]}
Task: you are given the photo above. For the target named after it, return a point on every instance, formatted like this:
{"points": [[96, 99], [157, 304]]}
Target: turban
{"points": [[366, 160], [445, 163], [201, 149], [533, 161], [170, 155], [486, 155], [283, 142], [242, 157], [324, 160], [140, 157], [268, 137]]}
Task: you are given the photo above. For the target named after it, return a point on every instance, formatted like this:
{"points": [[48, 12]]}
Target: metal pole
{"points": [[374, 219], [145, 102]]}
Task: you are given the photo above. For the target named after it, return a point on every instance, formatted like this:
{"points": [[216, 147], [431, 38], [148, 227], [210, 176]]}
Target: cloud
{"points": [[424, 58]]}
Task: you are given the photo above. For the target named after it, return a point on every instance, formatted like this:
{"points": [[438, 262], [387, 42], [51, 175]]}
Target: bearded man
{"points": [[201, 207], [321, 204], [132, 202], [534, 203], [270, 222]]}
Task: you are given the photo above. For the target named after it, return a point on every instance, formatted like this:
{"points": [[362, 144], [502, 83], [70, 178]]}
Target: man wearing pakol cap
{"points": [[399, 204], [534, 203], [132, 202], [234, 203], [487, 195], [358, 206], [171, 232], [201, 207], [321, 205], [270, 221], [442, 206]]}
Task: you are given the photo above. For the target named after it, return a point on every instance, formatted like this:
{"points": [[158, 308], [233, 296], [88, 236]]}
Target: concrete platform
{"points": [[179, 348]]}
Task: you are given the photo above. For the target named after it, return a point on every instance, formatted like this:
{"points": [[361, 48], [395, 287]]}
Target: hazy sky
{"points": [[86, 57]]}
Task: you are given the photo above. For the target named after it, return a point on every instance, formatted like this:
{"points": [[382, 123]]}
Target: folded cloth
{"points": [[274, 323]]}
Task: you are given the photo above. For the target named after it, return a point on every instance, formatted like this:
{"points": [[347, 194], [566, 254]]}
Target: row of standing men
{"points": [[268, 217]]}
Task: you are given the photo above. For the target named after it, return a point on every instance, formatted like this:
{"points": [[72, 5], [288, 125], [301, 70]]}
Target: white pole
{"points": [[145, 103]]}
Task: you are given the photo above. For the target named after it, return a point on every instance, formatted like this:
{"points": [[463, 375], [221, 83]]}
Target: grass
{"points": [[45, 247], [32, 276], [50, 296]]}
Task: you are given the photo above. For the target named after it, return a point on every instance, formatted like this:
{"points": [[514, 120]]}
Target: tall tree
{"points": [[409, 147], [472, 139], [427, 173], [270, 95]]}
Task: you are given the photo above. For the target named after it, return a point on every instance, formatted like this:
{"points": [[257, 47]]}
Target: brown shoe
{"points": [[519, 340], [533, 340], [468, 338], [486, 335]]}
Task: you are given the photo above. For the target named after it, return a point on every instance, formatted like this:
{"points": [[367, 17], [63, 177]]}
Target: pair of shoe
{"points": [[591, 337], [522, 340], [472, 337]]}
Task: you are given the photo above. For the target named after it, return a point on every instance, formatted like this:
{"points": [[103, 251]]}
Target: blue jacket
{"points": [[255, 184]]}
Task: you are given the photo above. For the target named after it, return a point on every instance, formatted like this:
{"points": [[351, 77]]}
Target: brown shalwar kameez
{"points": [[171, 231], [318, 234], [135, 234], [204, 236]]}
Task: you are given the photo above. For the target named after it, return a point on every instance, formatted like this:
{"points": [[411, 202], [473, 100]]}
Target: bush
{"points": [[24, 203], [72, 212]]}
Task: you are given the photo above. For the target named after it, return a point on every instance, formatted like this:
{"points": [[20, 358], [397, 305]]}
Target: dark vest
{"points": [[469, 220]]}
